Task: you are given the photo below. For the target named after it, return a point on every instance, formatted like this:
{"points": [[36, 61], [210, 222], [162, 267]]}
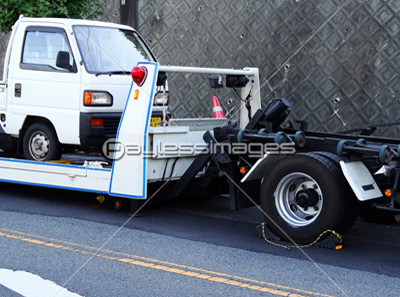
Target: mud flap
{"points": [[360, 180]]}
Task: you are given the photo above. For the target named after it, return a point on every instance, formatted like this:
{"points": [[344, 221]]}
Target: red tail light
{"points": [[96, 122], [139, 75]]}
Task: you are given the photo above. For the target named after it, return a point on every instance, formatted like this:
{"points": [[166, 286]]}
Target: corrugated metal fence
{"points": [[310, 51]]}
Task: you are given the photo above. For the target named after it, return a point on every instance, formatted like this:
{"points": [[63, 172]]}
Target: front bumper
{"points": [[95, 136]]}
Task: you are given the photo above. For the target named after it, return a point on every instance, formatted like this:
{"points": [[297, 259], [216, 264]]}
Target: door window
{"points": [[42, 48]]}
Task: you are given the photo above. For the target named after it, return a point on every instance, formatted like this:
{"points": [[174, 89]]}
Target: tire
{"points": [[332, 157], [353, 205], [40, 143], [302, 196]]}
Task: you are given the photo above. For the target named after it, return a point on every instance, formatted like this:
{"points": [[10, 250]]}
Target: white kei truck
{"points": [[64, 86], [306, 182]]}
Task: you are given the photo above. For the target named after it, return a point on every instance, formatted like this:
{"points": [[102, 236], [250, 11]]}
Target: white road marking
{"points": [[32, 285]]}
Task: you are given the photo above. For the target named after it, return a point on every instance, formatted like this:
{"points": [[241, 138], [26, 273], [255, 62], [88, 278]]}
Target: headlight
{"points": [[91, 98]]}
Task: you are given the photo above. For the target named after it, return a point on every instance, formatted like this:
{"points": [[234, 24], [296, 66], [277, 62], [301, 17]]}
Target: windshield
{"points": [[110, 50]]}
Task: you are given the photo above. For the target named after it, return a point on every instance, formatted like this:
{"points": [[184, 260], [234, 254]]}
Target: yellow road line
{"points": [[160, 265]]}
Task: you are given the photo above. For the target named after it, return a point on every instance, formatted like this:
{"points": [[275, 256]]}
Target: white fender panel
{"points": [[360, 180]]}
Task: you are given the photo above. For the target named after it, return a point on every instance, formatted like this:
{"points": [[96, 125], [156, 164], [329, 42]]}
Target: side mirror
{"points": [[63, 60]]}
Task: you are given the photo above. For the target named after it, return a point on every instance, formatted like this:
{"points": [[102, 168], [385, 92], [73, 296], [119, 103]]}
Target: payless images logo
{"points": [[113, 149]]}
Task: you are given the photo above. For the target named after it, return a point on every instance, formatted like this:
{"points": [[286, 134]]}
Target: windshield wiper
{"points": [[112, 72]]}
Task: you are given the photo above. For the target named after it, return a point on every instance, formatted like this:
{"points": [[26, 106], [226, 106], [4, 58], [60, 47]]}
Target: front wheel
{"points": [[40, 143], [302, 196]]}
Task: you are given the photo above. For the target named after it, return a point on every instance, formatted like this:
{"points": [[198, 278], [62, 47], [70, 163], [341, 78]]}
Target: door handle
{"points": [[18, 91]]}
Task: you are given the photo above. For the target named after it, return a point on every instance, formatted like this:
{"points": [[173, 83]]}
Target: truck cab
{"points": [[65, 84]]}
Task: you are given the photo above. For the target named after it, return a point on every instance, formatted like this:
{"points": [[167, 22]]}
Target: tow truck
{"points": [[306, 182]]}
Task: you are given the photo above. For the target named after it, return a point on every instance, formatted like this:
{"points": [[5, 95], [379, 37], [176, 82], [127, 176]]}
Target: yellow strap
{"points": [[289, 247]]}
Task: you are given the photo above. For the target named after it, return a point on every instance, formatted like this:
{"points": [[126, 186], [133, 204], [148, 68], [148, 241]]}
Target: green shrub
{"points": [[10, 10]]}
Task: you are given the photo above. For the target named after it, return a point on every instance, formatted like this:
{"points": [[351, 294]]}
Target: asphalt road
{"points": [[187, 247]]}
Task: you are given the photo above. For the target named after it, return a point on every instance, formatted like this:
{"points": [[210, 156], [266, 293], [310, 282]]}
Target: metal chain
{"points": [[289, 247]]}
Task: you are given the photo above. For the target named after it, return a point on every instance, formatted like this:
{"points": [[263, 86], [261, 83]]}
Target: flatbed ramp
{"points": [[89, 177]]}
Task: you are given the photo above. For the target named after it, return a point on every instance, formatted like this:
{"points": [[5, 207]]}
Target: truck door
{"points": [[46, 81]]}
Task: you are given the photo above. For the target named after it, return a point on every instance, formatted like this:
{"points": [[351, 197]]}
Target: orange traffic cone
{"points": [[217, 109]]}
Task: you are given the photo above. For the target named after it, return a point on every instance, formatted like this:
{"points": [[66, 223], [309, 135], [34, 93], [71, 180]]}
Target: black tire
{"points": [[332, 157], [40, 143], [353, 207], [302, 196]]}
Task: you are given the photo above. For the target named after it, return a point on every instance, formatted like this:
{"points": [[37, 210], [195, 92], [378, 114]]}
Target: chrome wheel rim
{"points": [[39, 146], [298, 199]]}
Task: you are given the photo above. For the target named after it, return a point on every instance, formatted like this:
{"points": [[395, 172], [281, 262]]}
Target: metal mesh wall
{"points": [[309, 51]]}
